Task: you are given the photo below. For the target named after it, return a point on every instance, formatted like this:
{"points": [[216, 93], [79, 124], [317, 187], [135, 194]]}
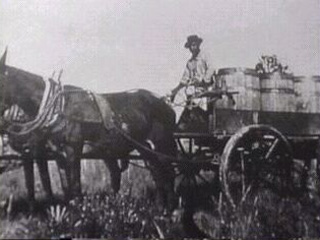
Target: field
{"points": [[133, 212]]}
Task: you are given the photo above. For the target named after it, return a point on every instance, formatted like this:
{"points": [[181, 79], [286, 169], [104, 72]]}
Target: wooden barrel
{"points": [[242, 80], [277, 93], [307, 93]]}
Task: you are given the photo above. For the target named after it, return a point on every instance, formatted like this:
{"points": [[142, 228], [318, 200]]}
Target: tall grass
{"points": [[133, 213]]}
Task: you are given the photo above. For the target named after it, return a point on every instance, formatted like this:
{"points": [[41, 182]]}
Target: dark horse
{"points": [[139, 116]]}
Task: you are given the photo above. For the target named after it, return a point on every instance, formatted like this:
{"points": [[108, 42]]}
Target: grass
{"points": [[94, 178], [133, 214], [266, 216]]}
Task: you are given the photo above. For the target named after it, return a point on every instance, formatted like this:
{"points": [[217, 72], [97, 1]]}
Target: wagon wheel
{"points": [[256, 157], [197, 181]]}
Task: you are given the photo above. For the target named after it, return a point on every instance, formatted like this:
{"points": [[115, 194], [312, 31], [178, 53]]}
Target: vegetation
{"points": [[133, 214]]}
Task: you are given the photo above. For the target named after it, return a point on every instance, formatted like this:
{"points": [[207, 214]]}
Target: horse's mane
{"points": [[19, 73]]}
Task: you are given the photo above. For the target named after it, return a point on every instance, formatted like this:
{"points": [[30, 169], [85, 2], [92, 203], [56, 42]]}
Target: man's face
{"points": [[194, 48]]}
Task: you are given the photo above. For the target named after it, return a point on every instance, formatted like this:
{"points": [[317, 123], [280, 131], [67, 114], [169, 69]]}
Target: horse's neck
{"points": [[27, 94]]}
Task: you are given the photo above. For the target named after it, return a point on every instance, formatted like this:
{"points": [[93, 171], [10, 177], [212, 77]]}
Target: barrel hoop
{"points": [[277, 90], [299, 78], [316, 78], [283, 76]]}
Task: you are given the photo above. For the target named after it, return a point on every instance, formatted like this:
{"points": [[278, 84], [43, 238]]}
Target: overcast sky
{"points": [[111, 45]]}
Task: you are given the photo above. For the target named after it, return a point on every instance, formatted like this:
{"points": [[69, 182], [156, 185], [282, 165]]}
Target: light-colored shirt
{"points": [[197, 69]]}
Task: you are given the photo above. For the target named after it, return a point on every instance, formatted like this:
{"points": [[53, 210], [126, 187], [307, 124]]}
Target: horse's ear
{"points": [[3, 60]]}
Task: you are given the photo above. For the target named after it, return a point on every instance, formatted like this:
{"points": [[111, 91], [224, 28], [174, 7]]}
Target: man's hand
{"points": [[200, 84], [172, 96]]}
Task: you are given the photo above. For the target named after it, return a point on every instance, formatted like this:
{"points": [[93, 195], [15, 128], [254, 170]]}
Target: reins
{"points": [[41, 119], [141, 146]]}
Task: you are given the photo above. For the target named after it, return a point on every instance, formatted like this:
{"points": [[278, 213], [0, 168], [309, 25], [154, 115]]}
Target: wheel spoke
{"points": [[242, 173], [272, 148], [181, 147], [245, 194], [202, 178], [194, 181]]}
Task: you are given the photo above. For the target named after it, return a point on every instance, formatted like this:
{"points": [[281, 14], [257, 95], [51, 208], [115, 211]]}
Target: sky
{"points": [[112, 45]]}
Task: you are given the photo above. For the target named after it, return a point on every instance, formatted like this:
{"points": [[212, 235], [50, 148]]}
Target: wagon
{"points": [[255, 129], [247, 139]]}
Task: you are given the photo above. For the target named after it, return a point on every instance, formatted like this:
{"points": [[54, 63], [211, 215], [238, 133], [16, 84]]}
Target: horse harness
{"points": [[51, 118], [49, 114]]}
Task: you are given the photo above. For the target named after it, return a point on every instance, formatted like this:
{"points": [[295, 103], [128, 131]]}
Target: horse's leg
{"points": [[163, 176], [123, 164], [73, 151], [61, 163], [73, 167], [42, 164], [115, 174], [45, 177], [163, 173], [29, 179]]}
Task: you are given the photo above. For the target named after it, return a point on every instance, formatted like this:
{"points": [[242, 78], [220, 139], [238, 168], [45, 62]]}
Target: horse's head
{"points": [[4, 93], [19, 87]]}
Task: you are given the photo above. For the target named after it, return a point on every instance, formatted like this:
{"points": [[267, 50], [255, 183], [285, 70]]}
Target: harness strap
{"points": [[52, 104], [100, 102], [46, 95], [107, 115], [15, 114]]}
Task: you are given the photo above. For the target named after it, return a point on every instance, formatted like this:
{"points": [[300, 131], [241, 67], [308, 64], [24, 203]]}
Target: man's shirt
{"points": [[197, 69]]}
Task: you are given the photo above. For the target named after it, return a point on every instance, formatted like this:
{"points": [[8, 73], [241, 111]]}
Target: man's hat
{"points": [[191, 39]]}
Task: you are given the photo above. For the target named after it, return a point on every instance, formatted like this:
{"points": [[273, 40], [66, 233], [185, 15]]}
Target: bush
{"points": [[104, 216]]}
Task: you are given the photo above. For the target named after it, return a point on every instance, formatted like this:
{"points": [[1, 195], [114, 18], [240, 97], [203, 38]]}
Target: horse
{"points": [[25, 143], [136, 117]]}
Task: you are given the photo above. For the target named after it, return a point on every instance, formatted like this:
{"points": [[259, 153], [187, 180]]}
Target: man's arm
{"points": [[176, 90], [209, 77], [183, 82]]}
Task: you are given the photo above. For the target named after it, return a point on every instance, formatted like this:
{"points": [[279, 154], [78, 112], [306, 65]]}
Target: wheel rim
{"points": [[256, 157]]}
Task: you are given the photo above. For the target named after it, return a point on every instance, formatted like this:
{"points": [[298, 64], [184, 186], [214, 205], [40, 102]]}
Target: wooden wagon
{"points": [[254, 129]]}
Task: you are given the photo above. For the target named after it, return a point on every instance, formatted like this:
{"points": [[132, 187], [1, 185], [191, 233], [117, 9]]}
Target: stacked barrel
{"points": [[240, 108], [290, 104], [244, 83], [277, 93]]}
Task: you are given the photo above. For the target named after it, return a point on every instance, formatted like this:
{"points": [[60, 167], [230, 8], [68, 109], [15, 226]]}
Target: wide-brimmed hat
{"points": [[191, 39]]}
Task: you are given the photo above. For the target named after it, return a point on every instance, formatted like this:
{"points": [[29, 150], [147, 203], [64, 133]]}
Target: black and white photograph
{"points": [[159, 119]]}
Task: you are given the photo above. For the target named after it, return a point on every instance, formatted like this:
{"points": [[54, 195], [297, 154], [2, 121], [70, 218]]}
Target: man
{"points": [[198, 72]]}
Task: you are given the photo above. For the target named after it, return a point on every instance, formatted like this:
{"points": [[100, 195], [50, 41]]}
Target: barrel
{"points": [[307, 93], [245, 81], [277, 92]]}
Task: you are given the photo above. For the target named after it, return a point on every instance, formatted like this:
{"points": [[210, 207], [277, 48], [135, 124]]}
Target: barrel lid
{"points": [[246, 71]]}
